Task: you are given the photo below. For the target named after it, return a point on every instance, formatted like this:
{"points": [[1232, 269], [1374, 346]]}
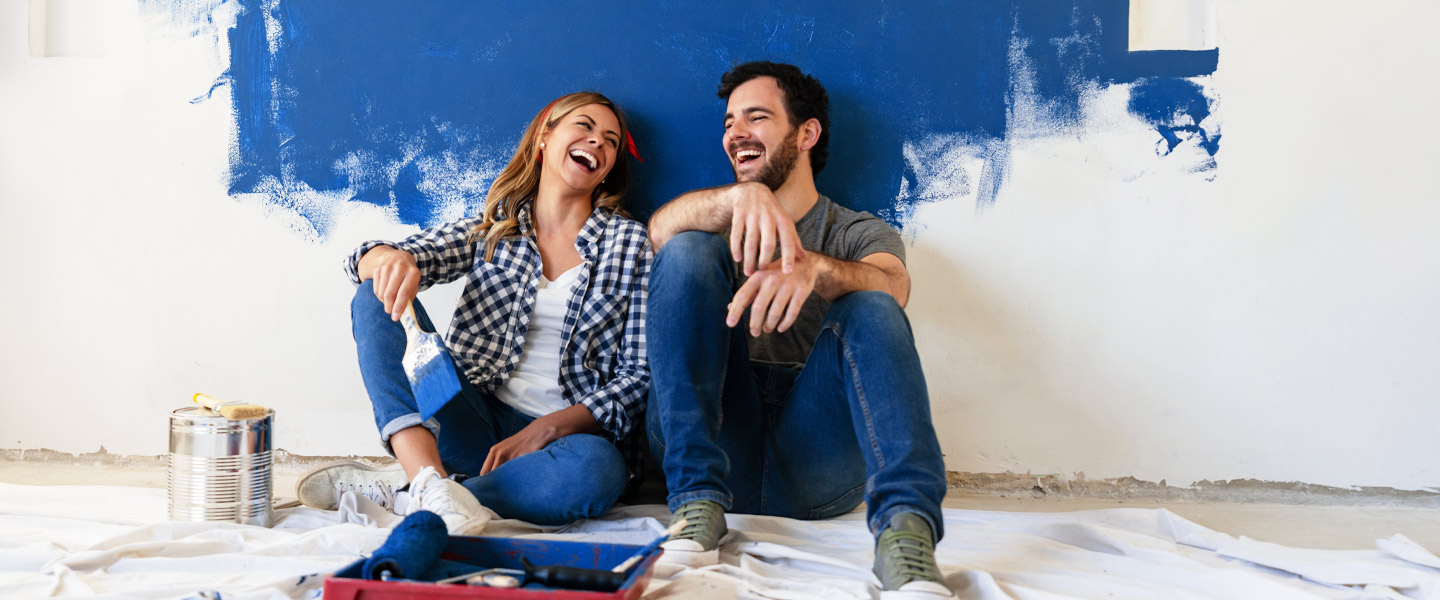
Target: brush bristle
{"points": [[239, 412]]}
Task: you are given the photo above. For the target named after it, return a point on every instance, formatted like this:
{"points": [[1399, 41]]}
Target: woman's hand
{"points": [[539, 433], [397, 279], [534, 436]]}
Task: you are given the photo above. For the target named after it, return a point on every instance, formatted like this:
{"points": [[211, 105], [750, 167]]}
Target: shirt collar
{"points": [[589, 239]]}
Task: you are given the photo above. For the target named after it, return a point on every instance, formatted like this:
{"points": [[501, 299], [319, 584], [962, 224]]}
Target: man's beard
{"points": [[778, 168]]}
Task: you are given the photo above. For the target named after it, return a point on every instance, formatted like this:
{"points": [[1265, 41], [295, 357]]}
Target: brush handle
{"points": [[673, 529], [411, 323], [209, 402], [573, 578], [233, 409]]}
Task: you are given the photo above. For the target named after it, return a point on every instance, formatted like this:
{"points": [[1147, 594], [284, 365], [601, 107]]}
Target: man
{"points": [[824, 403]]}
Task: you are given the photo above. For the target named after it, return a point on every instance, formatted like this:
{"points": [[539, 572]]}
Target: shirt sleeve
{"points": [[868, 234], [617, 405], [442, 253]]}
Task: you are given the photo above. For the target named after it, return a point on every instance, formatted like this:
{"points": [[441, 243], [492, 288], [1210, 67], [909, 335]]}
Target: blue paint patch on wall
{"points": [[1175, 107], [410, 106]]}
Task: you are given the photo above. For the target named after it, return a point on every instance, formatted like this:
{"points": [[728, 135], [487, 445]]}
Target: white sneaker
{"points": [[456, 506], [322, 486]]}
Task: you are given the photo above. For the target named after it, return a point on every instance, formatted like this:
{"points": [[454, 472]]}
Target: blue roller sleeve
{"points": [[411, 549]]}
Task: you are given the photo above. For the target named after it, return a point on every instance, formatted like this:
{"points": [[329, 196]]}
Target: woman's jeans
{"points": [[574, 477], [853, 424]]}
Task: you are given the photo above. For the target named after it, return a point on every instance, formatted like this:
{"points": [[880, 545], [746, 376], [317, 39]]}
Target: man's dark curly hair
{"points": [[805, 99]]}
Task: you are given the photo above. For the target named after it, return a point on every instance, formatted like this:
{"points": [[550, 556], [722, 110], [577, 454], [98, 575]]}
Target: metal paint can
{"points": [[220, 470]]}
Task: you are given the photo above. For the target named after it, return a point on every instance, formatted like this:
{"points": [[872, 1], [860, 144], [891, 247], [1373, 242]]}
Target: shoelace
{"points": [[696, 525], [380, 492], [438, 501], [910, 554]]}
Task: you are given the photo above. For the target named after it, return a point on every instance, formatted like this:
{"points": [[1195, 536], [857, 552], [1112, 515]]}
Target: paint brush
{"points": [[428, 366], [673, 529], [235, 411]]}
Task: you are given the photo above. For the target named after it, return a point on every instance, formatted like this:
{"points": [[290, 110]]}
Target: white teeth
{"points": [[747, 154], [589, 158]]}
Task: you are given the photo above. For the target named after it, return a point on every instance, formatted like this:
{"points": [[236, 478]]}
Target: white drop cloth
{"points": [[114, 542]]}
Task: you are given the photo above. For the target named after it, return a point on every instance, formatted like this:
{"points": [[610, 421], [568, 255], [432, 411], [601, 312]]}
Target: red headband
{"points": [[630, 146]]}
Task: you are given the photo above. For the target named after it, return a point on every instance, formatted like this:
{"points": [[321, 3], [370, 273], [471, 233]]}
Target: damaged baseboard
{"points": [[1020, 485], [281, 459], [1235, 490]]}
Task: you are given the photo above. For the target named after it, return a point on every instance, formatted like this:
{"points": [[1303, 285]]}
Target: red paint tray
{"points": [[469, 554]]}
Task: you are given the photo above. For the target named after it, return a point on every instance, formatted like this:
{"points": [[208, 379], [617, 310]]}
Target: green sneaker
{"points": [[698, 544], [905, 560]]}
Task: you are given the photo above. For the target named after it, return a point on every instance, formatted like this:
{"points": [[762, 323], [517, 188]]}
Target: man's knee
{"points": [[690, 249], [867, 306]]}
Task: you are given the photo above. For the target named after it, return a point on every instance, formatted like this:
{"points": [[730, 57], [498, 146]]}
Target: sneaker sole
{"points": [[914, 595], [690, 558], [316, 489]]}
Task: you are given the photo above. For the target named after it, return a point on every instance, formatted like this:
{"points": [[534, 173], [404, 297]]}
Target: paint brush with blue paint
{"points": [[630, 563], [428, 366]]}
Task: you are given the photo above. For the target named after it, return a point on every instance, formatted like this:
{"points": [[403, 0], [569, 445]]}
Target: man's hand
{"points": [[757, 226], [775, 296], [397, 279]]}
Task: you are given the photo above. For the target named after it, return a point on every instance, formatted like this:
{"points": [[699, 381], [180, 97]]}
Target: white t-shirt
{"points": [[534, 386]]}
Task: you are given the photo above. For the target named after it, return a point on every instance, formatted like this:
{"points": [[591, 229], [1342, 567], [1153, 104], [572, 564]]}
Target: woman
{"points": [[548, 338]]}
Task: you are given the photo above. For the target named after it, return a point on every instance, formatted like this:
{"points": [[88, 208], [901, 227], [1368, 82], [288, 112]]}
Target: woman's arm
{"points": [[617, 404], [539, 433], [401, 270]]}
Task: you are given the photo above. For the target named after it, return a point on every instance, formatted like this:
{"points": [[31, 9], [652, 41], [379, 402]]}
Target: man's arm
{"points": [[880, 272], [757, 223], [699, 210]]}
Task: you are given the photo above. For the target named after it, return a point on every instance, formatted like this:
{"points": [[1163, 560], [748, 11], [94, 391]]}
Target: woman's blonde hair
{"points": [[519, 182]]}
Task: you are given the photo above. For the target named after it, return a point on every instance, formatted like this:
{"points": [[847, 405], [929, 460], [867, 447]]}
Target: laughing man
{"points": [[823, 404]]}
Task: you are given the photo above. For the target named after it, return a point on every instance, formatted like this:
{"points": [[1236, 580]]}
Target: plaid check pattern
{"points": [[602, 365]]}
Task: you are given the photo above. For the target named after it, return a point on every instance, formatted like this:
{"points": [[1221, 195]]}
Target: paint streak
{"points": [[415, 107], [1176, 108]]}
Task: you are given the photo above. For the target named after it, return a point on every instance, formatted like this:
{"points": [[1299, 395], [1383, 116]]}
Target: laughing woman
{"points": [[548, 338]]}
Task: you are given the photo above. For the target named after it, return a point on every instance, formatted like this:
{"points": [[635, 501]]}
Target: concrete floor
{"points": [[1322, 527]]}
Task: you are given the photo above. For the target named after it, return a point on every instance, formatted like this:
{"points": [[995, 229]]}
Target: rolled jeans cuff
{"points": [[405, 422], [879, 522], [715, 496]]}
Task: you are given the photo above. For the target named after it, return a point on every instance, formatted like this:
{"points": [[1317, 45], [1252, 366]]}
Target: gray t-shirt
{"points": [[837, 232]]}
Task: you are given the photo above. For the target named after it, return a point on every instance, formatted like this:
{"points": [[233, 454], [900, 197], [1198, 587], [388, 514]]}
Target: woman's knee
{"points": [[600, 466], [365, 302]]}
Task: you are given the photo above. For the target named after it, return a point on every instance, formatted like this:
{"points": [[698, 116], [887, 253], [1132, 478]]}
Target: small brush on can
{"points": [[234, 410]]}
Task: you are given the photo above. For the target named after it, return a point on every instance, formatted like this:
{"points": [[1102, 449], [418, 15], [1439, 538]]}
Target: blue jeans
{"points": [[853, 424], [575, 477]]}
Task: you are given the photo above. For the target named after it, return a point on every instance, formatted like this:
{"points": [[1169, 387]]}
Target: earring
{"points": [[542, 145]]}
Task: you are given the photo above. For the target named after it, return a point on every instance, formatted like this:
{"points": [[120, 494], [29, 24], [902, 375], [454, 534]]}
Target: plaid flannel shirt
{"points": [[602, 365]]}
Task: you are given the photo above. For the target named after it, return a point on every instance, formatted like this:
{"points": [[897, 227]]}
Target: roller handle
{"points": [[573, 578]]}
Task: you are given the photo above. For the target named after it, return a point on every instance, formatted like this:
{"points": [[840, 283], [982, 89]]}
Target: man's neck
{"points": [[798, 194]]}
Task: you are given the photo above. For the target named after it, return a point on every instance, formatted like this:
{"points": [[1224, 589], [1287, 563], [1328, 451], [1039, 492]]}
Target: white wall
{"points": [[1111, 314]]}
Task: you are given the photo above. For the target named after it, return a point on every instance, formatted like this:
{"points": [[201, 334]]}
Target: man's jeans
{"points": [[575, 477], [853, 424]]}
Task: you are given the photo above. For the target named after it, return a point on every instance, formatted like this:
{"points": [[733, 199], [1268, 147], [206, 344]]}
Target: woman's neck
{"points": [[559, 214]]}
